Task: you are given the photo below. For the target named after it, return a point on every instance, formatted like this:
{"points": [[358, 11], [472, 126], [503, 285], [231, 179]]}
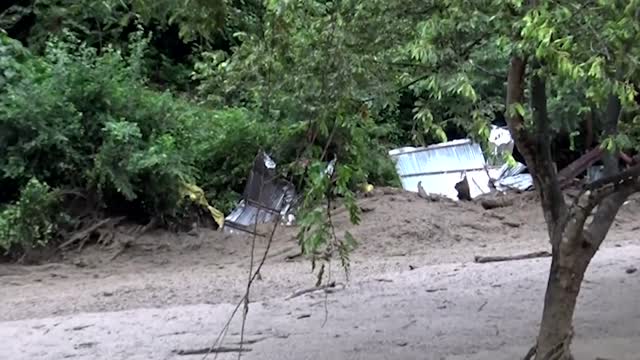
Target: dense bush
{"points": [[82, 120], [31, 221], [76, 119]]}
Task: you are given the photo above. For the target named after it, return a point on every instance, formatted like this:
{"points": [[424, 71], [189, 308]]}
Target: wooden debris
{"points": [[511, 224], [483, 305], [533, 255], [293, 256], [326, 287], [463, 189], [436, 290], [208, 350], [84, 234], [495, 203]]}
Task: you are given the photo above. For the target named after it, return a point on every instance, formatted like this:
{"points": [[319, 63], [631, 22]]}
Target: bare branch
{"points": [[608, 209], [624, 176]]}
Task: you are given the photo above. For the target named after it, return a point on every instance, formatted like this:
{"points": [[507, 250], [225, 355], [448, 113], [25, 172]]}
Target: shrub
{"points": [[82, 120], [32, 220]]}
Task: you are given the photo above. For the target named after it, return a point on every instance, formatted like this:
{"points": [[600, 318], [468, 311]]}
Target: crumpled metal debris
{"points": [[265, 198], [512, 178]]}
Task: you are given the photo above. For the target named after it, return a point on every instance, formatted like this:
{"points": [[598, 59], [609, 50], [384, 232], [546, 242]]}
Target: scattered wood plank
{"points": [[432, 290], [209, 350], [326, 287], [483, 305], [293, 256], [533, 255], [511, 224], [500, 202]]}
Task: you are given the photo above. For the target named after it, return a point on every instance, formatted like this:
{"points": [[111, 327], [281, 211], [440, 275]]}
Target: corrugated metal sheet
{"points": [[439, 167], [505, 171], [453, 156], [507, 178], [520, 182]]}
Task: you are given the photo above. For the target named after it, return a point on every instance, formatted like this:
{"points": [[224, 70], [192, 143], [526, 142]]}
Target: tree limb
{"points": [[614, 109], [545, 174], [626, 175], [533, 255], [536, 148], [608, 209]]}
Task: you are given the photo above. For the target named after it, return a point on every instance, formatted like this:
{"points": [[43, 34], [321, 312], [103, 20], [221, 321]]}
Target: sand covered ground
{"points": [[414, 292]]}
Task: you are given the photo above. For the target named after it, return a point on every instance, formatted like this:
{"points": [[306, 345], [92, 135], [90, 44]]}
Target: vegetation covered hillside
{"points": [[114, 108]]}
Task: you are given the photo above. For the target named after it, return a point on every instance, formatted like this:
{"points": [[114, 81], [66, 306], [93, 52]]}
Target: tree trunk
{"points": [[568, 266]]}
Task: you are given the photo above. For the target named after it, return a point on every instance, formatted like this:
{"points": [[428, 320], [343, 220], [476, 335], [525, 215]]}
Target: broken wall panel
{"points": [[439, 167]]}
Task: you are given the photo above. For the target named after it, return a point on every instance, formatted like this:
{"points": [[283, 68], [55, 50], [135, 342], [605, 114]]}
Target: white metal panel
{"points": [[441, 166]]}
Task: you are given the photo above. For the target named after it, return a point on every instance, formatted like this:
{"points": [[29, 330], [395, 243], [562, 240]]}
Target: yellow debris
{"points": [[196, 194]]}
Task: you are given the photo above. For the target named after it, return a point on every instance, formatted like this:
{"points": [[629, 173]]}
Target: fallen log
{"points": [[326, 287], [208, 350], [489, 204], [533, 255]]}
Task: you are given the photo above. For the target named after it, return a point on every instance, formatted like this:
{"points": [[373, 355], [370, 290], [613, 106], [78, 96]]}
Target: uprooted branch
{"points": [[533, 255], [218, 350], [326, 287], [82, 235], [629, 174], [489, 204], [593, 194]]}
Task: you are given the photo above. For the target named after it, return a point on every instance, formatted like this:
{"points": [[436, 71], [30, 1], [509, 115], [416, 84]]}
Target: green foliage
{"points": [[101, 22], [317, 235], [32, 220], [224, 147], [11, 56], [309, 70], [77, 119], [80, 119], [305, 80]]}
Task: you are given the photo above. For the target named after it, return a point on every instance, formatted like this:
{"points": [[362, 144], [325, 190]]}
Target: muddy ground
{"points": [[414, 292]]}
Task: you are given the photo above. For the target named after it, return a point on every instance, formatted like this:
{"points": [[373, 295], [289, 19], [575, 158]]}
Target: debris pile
{"points": [[265, 198], [458, 169]]}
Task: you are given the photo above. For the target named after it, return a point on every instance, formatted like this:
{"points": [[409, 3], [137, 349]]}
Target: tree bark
{"points": [[573, 241], [610, 128], [568, 266]]}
